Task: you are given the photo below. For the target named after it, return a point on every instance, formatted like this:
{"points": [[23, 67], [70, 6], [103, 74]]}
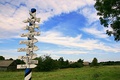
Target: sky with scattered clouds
{"points": [[69, 29]]}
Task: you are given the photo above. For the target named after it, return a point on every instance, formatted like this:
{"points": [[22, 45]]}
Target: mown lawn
{"points": [[85, 73]]}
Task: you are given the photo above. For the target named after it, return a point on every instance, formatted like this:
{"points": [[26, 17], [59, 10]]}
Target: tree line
{"points": [[46, 63]]}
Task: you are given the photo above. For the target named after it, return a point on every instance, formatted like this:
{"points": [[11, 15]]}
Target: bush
{"points": [[46, 64], [76, 65]]}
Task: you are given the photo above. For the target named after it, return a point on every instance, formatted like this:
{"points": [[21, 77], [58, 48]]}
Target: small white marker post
{"points": [[30, 45]]}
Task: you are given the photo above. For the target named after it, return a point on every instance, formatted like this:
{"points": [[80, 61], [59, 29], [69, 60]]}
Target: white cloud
{"points": [[95, 32], [90, 13], [56, 54], [10, 53], [51, 52], [77, 42], [11, 22], [7, 51], [12, 13]]}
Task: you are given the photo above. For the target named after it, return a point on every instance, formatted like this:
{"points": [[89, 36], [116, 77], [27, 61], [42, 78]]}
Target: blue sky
{"points": [[69, 29]]}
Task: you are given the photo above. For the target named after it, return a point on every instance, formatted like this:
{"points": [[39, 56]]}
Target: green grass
{"points": [[85, 73]]}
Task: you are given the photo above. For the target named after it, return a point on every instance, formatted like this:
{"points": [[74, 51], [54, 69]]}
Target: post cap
{"points": [[33, 10]]}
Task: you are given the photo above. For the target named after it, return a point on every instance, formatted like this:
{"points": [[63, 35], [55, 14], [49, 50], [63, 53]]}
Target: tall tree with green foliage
{"points": [[18, 61], [109, 12], [2, 58], [46, 63], [61, 62], [94, 62], [80, 61]]}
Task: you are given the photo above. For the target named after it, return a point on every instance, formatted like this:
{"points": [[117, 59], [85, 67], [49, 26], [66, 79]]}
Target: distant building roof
{"points": [[5, 63], [86, 63]]}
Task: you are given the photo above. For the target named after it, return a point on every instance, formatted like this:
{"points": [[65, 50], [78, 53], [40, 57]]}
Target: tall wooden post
{"points": [[31, 27]]}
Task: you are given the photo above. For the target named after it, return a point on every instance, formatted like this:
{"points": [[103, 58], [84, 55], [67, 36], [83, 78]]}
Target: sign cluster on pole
{"points": [[30, 43]]}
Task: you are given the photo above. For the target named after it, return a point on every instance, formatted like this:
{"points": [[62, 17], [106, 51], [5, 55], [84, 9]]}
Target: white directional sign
{"points": [[31, 56], [24, 35], [31, 27], [36, 26], [22, 57], [28, 41], [30, 20], [23, 66], [26, 27], [35, 48], [23, 49], [33, 61], [30, 61], [34, 40], [37, 19], [30, 34], [26, 21], [36, 33], [24, 42]]}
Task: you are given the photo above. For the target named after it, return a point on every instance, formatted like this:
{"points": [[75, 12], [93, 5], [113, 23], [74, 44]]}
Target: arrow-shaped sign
{"points": [[37, 20], [36, 26], [26, 27], [34, 48], [32, 20], [28, 41], [30, 34], [29, 61], [31, 27], [31, 56], [33, 62], [23, 66]]}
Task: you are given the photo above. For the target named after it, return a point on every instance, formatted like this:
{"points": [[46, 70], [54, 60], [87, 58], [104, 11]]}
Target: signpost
{"points": [[28, 41], [33, 61], [30, 34], [28, 28], [34, 48], [30, 45], [23, 66], [32, 56]]}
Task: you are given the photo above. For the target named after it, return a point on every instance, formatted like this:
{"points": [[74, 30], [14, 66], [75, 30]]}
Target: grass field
{"points": [[85, 73]]}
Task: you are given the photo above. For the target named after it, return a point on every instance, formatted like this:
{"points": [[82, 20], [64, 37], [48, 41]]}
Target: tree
{"points": [[46, 63], [77, 64], [40, 64], [94, 62], [49, 64], [109, 12], [80, 61], [18, 61], [11, 59], [61, 62], [2, 58]]}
